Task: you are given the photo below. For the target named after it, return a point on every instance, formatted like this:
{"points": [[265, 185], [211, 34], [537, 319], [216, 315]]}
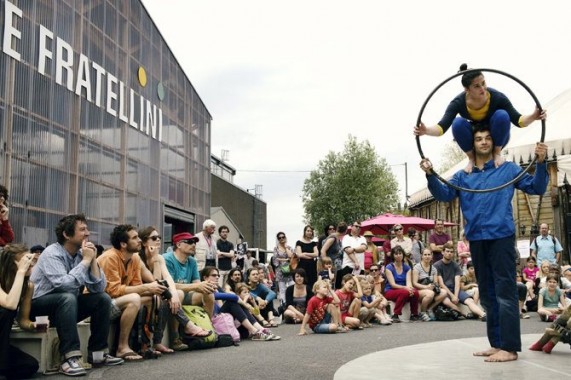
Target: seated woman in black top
{"points": [[297, 297], [16, 263]]}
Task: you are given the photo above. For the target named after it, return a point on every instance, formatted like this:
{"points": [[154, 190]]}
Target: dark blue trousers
{"points": [[494, 261]]}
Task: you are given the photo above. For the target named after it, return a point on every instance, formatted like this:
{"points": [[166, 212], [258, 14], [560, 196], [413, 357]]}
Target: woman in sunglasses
{"points": [[154, 269]]}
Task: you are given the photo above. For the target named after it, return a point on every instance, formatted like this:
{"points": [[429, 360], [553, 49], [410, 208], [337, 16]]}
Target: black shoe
{"points": [[414, 318], [396, 319]]}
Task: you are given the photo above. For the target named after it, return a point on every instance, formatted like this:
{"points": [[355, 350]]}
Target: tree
{"points": [[353, 185], [452, 155]]}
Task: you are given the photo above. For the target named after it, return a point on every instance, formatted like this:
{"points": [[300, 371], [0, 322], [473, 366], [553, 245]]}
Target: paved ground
{"points": [[403, 351]]}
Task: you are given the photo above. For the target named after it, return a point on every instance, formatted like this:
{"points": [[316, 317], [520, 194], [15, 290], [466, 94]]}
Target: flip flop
{"points": [[201, 333], [164, 350], [272, 324], [131, 357]]}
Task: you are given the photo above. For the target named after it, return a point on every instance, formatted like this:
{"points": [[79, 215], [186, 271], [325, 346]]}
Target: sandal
{"points": [[265, 323], [199, 332], [163, 349], [272, 324]]}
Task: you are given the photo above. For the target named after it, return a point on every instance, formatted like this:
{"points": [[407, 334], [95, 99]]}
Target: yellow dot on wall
{"points": [[141, 73]]}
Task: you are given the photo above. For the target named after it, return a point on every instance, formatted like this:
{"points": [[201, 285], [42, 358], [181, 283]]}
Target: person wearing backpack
{"points": [[546, 247]]}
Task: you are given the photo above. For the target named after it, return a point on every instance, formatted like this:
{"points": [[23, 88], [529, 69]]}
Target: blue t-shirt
{"points": [[186, 273], [400, 279]]}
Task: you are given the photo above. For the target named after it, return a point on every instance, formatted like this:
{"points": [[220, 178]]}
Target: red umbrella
{"points": [[382, 224]]}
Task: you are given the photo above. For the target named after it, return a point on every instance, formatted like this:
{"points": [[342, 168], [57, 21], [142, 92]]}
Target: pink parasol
{"points": [[382, 224]]}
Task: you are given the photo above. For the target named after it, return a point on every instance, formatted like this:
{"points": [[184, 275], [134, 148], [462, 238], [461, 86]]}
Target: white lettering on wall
{"points": [[111, 94], [44, 53], [79, 75], [64, 63], [99, 72], [122, 115], [132, 121], [10, 31], [83, 77]]}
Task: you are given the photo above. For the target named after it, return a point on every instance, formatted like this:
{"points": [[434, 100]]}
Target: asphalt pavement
{"points": [[421, 350]]}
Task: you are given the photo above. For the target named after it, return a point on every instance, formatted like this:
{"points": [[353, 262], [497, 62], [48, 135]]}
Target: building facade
{"points": [[98, 117], [245, 207]]}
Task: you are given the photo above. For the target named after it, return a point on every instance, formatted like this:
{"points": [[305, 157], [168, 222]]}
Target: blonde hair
{"points": [[318, 284]]}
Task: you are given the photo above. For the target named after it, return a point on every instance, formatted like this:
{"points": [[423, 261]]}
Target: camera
{"points": [[166, 295], [436, 289]]}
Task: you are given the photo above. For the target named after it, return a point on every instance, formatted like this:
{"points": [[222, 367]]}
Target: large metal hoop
{"points": [[523, 172]]}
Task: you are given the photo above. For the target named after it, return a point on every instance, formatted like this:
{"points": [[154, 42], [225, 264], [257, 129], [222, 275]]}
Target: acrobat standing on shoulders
{"points": [[479, 103]]}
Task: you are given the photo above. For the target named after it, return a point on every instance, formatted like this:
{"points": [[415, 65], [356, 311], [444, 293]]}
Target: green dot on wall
{"points": [[161, 91]]}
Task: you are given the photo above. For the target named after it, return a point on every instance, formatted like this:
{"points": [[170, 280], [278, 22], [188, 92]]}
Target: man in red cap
{"points": [[183, 268]]}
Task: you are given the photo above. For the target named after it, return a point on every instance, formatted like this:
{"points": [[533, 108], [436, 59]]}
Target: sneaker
{"points": [[72, 367], [261, 336], [177, 345], [424, 317], [396, 318], [108, 360], [483, 318], [272, 336], [431, 315], [385, 322]]}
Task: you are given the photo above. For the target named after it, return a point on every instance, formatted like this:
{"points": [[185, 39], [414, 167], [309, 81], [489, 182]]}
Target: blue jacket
{"points": [[489, 215]]}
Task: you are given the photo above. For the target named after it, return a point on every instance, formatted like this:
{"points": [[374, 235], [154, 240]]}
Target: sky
{"points": [[287, 82]]}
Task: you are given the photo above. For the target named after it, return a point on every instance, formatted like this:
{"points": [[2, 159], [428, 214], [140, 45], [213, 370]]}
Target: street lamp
{"points": [[522, 229]]}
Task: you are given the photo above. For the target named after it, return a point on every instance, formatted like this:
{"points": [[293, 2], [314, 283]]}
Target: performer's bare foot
{"points": [[488, 352], [502, 356]]}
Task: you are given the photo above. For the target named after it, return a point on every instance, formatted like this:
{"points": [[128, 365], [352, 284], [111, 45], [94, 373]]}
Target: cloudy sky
{"points": [[287, 82]]}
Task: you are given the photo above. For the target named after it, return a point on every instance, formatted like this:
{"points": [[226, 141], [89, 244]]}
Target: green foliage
{"points": [[452, 154], [353, 185]]}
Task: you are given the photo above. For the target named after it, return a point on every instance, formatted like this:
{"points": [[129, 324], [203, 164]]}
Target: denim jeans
{"points": [[66, 309], [496, 270]]}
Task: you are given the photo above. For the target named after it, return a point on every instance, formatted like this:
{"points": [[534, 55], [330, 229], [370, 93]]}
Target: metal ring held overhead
{"points": [[523, 172]]}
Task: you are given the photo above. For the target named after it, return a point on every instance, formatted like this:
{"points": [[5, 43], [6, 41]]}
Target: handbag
{"points": [[285, 269], [223, 324]]}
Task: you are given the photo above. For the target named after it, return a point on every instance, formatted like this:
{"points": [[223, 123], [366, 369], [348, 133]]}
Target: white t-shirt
{"points": [[353, 242]]}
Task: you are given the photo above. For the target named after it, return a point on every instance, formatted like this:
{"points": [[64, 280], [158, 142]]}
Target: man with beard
{"points": [[122, 267]]}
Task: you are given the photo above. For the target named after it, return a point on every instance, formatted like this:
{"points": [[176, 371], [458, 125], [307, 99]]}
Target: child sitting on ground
{"points": [[379, 303], [322, 312], [327, 272], [551, 300], [350, 301], [368, 304]]}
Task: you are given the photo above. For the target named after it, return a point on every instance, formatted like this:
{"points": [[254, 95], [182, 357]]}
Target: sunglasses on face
{"points": [[373, 270], [215, 275], [155, 238], [281, 237], [188, 242], [398, 229]]}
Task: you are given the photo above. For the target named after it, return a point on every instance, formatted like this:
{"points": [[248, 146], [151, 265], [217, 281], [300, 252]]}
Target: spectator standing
{"points": [[354, 247], [306, 251], [206, 251], [546, 247], [371, 254], [225, 253], [438, 239]]}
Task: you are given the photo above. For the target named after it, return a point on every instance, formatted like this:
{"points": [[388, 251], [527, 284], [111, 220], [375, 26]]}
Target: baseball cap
{"points": [[184, 236]]}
